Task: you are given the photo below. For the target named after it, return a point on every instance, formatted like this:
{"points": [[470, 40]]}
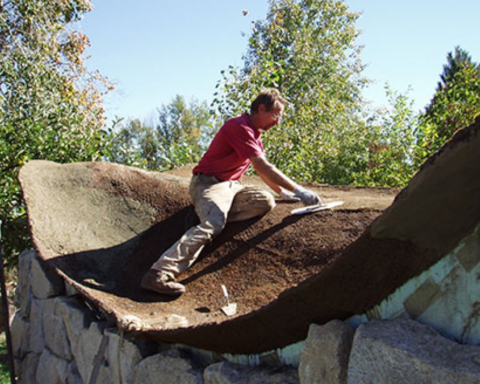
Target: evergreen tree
{"points": [[455, 62], [455, 105]]}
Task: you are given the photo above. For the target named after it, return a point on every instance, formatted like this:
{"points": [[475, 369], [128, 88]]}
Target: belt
{"points": [[204, 174]]}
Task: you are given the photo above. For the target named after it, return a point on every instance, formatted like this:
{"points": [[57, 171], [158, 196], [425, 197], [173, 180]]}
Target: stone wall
{"points": [[59, 338]]}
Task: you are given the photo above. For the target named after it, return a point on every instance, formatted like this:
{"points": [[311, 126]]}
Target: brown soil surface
{"points": [[102, 225], [106, 224], [259, 259]]}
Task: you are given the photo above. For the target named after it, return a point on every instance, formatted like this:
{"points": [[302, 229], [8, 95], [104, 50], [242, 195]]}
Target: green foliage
{"points": [[50, 105], [183, 132], [374, 150], [455, 104], [4, 367], [123, 142], [306, 49], [385, 144], [179, 138]]}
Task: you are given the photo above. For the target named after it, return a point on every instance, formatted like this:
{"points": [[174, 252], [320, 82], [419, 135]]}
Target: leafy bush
{"points": [[51, 107], [179, 137]]}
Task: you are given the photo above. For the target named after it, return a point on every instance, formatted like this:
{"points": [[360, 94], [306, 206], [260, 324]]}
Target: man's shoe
{"points": [[161, 282]]}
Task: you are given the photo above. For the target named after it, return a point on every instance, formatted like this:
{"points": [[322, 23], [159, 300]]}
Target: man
{"points": [[217, 194]]}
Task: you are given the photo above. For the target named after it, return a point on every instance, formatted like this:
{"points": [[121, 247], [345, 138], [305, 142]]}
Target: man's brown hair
{"points": [[268, 97]]}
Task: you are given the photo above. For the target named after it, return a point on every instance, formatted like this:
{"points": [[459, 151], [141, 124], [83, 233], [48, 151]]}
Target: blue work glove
{"points": [[308, 197]]}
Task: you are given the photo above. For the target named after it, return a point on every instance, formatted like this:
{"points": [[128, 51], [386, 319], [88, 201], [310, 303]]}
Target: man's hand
{"points": [[288, 196], [308, 197]]}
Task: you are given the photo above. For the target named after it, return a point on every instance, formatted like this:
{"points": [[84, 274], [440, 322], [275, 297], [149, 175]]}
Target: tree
{"points": [[306, 49], [455, 63], [179, 137], [383, 155], [51, 106], [183, 132], [455, 104], [125, 141]]}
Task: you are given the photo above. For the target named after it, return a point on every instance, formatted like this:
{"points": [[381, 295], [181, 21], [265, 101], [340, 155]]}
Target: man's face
{"points": [[269, 119]]}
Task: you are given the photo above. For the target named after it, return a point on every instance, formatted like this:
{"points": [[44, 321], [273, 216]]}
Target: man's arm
{"points": [[277, 180], [271, 175]]}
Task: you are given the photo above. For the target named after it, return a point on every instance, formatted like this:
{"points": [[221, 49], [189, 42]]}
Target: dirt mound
{"points": [[102, 225]]}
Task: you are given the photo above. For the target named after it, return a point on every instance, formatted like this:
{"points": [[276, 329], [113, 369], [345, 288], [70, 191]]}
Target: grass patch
{"points": [[4, 367]]}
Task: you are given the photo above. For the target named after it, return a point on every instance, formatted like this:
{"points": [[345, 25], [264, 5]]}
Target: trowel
{"points": [[316, 208], [229, 309]]}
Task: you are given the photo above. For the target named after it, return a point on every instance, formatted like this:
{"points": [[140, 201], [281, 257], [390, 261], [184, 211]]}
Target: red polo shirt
{"points": [[227, 157]]}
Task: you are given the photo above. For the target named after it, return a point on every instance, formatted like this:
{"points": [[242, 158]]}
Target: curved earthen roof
{"points": [[102, 225]]}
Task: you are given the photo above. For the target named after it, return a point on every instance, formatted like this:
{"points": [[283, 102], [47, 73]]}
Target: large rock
{"points": [[20, 332], [36, 336], [27, 369], [325, 354], [51, 369], [23, 292], [35, 281], [44, 282], [73, 376], [76, 317], [54, 330], [167, 368], [405, 351], [123, 355], [228, 373]]}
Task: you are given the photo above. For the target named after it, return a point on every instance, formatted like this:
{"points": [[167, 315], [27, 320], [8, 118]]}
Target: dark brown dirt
{"points": [[257, 259], [102, 225]]}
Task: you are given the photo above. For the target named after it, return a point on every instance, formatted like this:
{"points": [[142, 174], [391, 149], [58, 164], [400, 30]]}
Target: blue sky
{"points": [[153, 50]]}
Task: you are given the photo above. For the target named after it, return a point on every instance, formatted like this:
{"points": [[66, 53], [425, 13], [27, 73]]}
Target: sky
{"points": [[153, 50]]}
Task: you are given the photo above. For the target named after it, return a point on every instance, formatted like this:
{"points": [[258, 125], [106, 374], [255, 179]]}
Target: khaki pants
{"points": [[216, 203]]}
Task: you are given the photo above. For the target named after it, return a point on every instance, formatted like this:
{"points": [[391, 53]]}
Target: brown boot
{"points": [[161, 282]]}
